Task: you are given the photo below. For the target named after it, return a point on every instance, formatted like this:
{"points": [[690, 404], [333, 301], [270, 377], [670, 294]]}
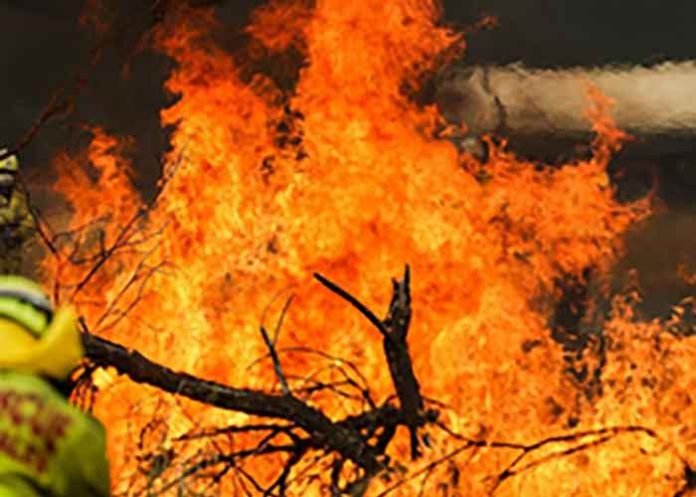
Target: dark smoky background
{"points": [[46, 47]]}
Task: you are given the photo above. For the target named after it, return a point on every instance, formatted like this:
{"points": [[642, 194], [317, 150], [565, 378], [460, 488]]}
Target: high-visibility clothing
{"points": [[47, 446]]}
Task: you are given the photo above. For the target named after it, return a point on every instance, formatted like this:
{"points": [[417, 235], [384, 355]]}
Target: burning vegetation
{"points": [[240, 329]]}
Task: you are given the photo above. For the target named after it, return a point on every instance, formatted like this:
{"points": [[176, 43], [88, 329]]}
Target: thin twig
{"points": [[276, 362], [271, 345]]}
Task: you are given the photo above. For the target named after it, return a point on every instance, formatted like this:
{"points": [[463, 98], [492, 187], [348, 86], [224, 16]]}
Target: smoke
{"points": [[546, 110], [524, 101]]}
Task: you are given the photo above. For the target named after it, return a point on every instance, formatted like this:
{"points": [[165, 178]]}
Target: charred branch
{"points": [[273, 352], [362, 438], [394, 331], [305, 436], [568, 444], [400, 366], [276, 361], [333, 436]]}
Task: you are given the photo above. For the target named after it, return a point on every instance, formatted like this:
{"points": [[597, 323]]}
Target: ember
{"points": [[347, 177]]}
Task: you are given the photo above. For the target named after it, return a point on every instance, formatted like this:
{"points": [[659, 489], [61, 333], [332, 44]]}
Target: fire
{"points": [[348, 177]]}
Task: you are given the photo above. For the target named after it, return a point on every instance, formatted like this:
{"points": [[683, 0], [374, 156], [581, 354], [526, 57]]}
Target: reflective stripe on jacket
{"points": [[47, 446]]}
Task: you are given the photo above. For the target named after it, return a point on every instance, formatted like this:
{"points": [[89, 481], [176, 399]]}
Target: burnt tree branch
{"points": [[394, 330], [273, 352], [339, 437], [399, 359], [362, 438]]}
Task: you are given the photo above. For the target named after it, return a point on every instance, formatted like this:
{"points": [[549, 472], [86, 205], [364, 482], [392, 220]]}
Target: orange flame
{"points": [[358, 185]]}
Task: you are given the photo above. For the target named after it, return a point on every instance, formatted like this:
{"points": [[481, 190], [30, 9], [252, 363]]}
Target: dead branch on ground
{"points": [[309, 442], [360, 439]]}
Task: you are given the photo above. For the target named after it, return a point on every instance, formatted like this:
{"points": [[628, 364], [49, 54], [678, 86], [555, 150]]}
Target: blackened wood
{"points": [[323, 432]]}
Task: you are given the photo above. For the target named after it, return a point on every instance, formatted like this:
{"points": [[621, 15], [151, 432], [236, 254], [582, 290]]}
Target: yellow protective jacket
{"points": [[47, 446]]}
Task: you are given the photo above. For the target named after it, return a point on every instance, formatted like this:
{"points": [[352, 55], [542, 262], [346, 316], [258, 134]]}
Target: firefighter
{"points": [[16, 223], [48, 447]]}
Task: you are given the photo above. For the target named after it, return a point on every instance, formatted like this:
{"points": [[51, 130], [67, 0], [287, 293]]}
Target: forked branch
{"points": [[394, 330]]}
